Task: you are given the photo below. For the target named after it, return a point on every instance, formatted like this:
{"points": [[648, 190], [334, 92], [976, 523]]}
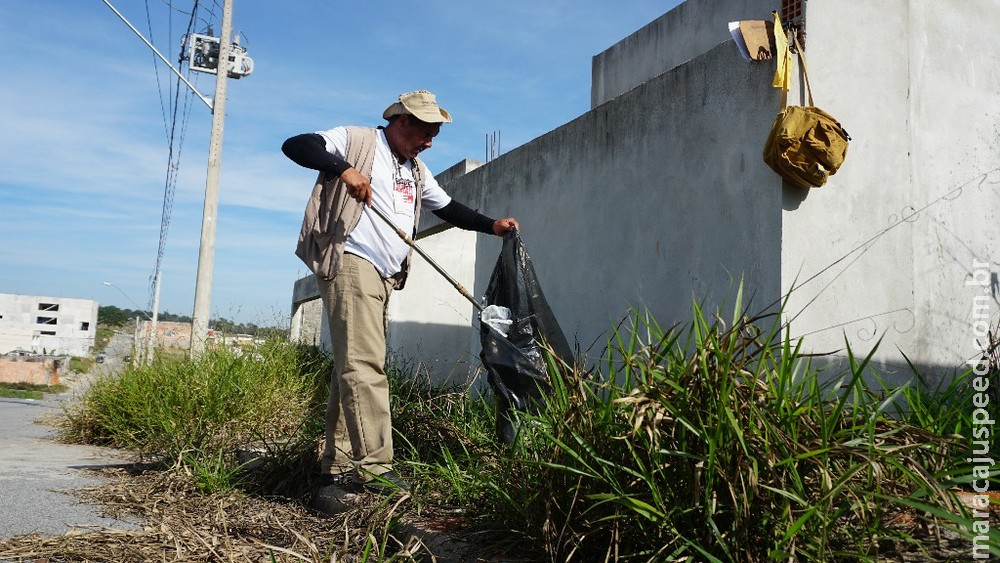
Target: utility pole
{"points": [[206, 252], [227, 61], [136, 349], [151, 345]]}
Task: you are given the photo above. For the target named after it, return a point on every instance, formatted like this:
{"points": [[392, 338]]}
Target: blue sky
{"points": [[84, 143]]}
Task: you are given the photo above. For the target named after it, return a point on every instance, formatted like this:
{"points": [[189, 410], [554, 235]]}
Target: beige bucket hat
{"points": [[420, 104]]}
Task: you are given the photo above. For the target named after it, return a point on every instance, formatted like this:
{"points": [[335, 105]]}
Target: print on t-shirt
{"points": [[404, 196]]}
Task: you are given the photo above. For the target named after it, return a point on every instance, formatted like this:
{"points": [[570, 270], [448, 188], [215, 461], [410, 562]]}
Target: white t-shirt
{"points": [[394, 192]]}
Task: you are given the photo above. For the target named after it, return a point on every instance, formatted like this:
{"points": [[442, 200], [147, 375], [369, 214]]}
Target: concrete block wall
{"points": [[684, 33], [308, 318], [431, 324], [914, 208]]}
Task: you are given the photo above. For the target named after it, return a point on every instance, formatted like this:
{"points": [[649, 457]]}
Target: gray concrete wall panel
{"points": [[432, 325], [955, 124], [921, 104], [650, 201], [691, 29]]}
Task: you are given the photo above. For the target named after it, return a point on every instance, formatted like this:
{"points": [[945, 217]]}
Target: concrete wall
{"points": [[915, 204], [33, 371], [431, 323], [651, 200], [26, 322], [308, 318], [688, 31]]}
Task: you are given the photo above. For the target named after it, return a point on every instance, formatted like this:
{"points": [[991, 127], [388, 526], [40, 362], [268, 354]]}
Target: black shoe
{"points": [[344, 480], [387, 483], [335, 494]]}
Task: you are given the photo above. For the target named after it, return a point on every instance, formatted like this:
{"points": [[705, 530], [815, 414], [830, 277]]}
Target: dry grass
{"points": [[181, 524]]}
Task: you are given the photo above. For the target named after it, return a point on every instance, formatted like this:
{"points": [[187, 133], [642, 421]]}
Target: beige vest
{"points": [[331, 213]]}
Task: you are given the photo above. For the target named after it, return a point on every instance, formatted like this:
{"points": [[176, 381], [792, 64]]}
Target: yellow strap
{"points": [[783, 56], [802, 58]]}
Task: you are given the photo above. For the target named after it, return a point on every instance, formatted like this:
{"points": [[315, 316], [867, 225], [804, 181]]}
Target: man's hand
{"points": [[504, 226], [358, 186]]}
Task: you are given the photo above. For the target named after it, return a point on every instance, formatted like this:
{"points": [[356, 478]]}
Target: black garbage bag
{"points": [[515, 363]]}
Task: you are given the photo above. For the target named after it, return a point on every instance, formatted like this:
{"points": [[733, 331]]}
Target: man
{"points": [[358, 260]]}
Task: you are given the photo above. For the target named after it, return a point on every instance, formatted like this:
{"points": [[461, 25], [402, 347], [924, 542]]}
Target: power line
{"points": [[213, 16], [156, 67], [180, 109], [170, 6]]}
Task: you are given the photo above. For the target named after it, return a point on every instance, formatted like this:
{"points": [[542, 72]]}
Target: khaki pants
{"points": [[358, 424]]}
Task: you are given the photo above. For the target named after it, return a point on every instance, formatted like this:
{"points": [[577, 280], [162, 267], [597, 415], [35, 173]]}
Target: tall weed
{"points": [[948, 407], [197, 412], [717, 442]]}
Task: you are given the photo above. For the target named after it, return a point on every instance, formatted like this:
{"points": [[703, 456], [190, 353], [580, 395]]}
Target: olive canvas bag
{"points": [[806, 145]]}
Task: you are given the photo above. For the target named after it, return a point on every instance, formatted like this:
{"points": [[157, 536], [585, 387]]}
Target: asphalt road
{"points": [[37, 473]]}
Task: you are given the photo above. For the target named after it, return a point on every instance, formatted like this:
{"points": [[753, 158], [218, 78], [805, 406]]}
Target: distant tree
{"points": [[109, 315], [174, 318], [225, 326]]}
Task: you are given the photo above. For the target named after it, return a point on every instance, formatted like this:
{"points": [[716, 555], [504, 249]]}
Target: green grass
{"points": [[712, 441], [80, 365], [947, 407], [28, 390], [197, 414], [715, 443], [21, 393], [102, 338]]}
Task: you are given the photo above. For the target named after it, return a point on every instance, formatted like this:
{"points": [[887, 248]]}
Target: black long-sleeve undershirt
{"points": [[464, 218], [309, 151]]}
